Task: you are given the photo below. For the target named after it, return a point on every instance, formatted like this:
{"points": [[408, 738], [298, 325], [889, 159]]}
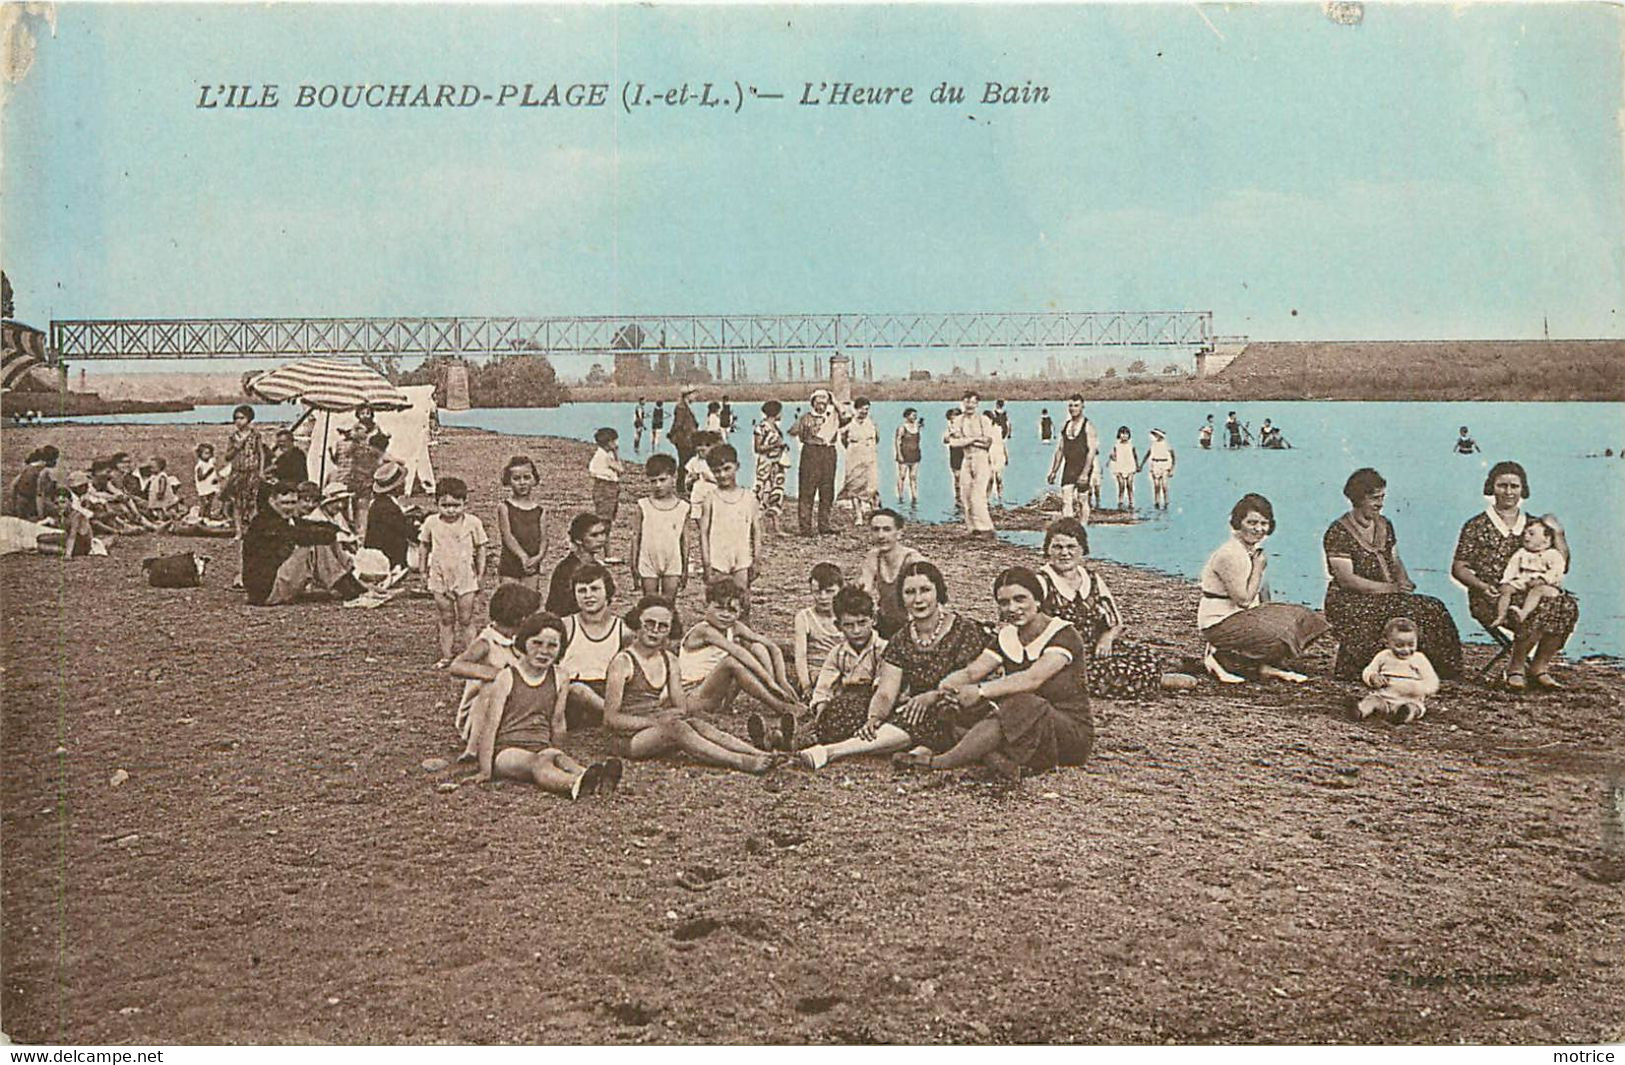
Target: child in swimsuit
{"points": [[660, 532], [719, 657], [516, 727]]}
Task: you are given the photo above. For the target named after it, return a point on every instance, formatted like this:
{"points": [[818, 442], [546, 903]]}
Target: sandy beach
{"points": [[1231, 866]]}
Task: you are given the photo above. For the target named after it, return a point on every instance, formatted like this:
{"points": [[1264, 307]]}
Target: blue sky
{"points": [[1430, 173]]}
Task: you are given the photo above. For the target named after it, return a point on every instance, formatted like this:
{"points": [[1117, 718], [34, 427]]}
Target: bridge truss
{"points": [[260, 338]]}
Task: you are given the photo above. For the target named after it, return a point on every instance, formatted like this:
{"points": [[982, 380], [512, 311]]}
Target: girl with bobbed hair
{"points": [[1369, 585], [1245, 632], [1033, 717], [1487, 542]]}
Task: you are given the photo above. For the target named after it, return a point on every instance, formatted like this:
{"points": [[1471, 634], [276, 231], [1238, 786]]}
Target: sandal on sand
{"points": [[613, 769], [587, 783], [1218, 672], [787, 732], [1544, 679], [1516, 682]]}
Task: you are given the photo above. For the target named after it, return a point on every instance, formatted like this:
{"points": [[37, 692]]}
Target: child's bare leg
{"points": [[758, 689], [888, 738], [668, 587], [515, 764], [649, 585], [465, 618], [1503, 601], [723, 738], [699, 745], [568, 764], [445, 610], [1371, 704]]}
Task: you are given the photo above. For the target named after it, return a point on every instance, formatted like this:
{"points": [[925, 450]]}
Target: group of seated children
{"points": [[531, 678]]}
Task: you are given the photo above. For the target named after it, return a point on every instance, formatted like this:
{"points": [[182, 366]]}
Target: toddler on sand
{"points": [[1401, 677]]}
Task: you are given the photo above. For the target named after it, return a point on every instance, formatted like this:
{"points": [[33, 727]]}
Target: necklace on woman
{"points": [[936, 631]]}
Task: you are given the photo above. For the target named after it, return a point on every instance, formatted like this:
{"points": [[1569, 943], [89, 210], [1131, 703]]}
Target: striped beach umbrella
{"points": [[22, 350], [328, 384]]}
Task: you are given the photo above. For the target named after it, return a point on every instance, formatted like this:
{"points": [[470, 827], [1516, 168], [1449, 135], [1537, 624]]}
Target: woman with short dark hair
{"points": [[1243, 629], [1369, 585], [1487, 542], [1033, 717]]}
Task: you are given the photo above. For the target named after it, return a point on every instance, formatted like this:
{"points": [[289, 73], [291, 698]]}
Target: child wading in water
{"points": [[1125, 463], [1402, 676], [660, 532], [1159, 459], [491, 652], [453, 558], [1536, 569], [720, 656], [517, 725], [730, 526], [645, 709], [816, 632], [521, 525]]}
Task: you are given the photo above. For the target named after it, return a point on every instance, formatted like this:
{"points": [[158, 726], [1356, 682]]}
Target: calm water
{"points": [[1431, 490]]}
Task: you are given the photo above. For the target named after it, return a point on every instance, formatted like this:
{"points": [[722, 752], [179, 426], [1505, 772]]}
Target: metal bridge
{"points": [[259, 338]]}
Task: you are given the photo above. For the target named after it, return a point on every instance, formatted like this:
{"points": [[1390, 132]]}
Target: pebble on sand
{"points": [[119, 776], [435, 765]]}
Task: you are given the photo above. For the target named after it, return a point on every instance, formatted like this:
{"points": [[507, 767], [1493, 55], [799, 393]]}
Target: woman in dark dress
{"points": [[1034, 717], [1369, 586], [1075, 594], [908, 708], [1487, 542]]}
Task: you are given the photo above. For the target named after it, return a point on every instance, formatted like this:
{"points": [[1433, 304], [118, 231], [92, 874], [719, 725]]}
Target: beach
{"points": [[1231, 866]]}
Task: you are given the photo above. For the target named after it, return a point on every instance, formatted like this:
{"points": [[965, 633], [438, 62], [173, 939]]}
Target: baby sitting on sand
{"points": [[1401, 677]]}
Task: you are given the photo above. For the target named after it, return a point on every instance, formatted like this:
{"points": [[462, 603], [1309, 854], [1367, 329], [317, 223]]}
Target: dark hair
{"points": [[827, 575], [1121, 429], [659, 466], [909, 410], [953, 412], [634, 617], [309, 491], [243, 408], [1361, 483], [451, 486], [117, 457], [603, 435], [1021, 577], [100, 465], [971, 393], [519, 462], [198, 451], [590, 572], [1076, 397], [379, 440], [888, 512], [513, 603], [706, 438], [1251, 503], [713, 407], [922, 568], [1067, 527], [721, 455], [724, 591], [1501, 469], [772, 408], [284, 488], [854, 602], [1540, 523], [861, 401], [47, 454], [534, 625], [1464, 430], [582, 524], [284, 431]]}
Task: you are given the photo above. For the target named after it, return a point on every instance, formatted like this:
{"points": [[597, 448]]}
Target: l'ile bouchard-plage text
{"points": [[633, 97]]}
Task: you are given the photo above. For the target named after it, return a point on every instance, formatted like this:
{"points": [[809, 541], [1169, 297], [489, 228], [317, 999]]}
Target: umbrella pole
{"points": [[302, 419]]}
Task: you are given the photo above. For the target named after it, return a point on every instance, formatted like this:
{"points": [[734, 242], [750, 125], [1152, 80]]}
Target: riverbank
{"points": [[1232, 866]]}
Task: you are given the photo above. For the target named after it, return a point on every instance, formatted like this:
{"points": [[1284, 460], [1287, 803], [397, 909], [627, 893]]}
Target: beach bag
{"points": [[175, 571]]}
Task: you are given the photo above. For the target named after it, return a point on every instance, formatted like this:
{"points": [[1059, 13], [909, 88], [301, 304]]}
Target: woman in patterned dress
{"points": [[908, 708], [1369, 586], [1115, 669], [1036, 715], [768, 443], [1487, 542]]}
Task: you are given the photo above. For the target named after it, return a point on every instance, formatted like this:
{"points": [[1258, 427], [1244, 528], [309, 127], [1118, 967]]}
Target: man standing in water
{"points": [[1046, 426], [974, 433], [1204, 435], [817, 430], [1074, 460], [683, 428]]}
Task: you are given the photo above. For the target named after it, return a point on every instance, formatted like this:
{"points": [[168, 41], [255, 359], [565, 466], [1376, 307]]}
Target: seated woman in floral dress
{"points": [[1036, 715]]}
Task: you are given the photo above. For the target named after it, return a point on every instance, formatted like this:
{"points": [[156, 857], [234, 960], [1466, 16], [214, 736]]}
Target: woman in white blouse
{"points": [[1241, 626]]}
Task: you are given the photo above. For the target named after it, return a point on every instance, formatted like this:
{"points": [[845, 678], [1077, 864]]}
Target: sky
{"points": [[1432, 172]]}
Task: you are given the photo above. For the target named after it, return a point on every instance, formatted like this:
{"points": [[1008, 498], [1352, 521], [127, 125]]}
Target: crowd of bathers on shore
{"points": [[879, 661]]}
